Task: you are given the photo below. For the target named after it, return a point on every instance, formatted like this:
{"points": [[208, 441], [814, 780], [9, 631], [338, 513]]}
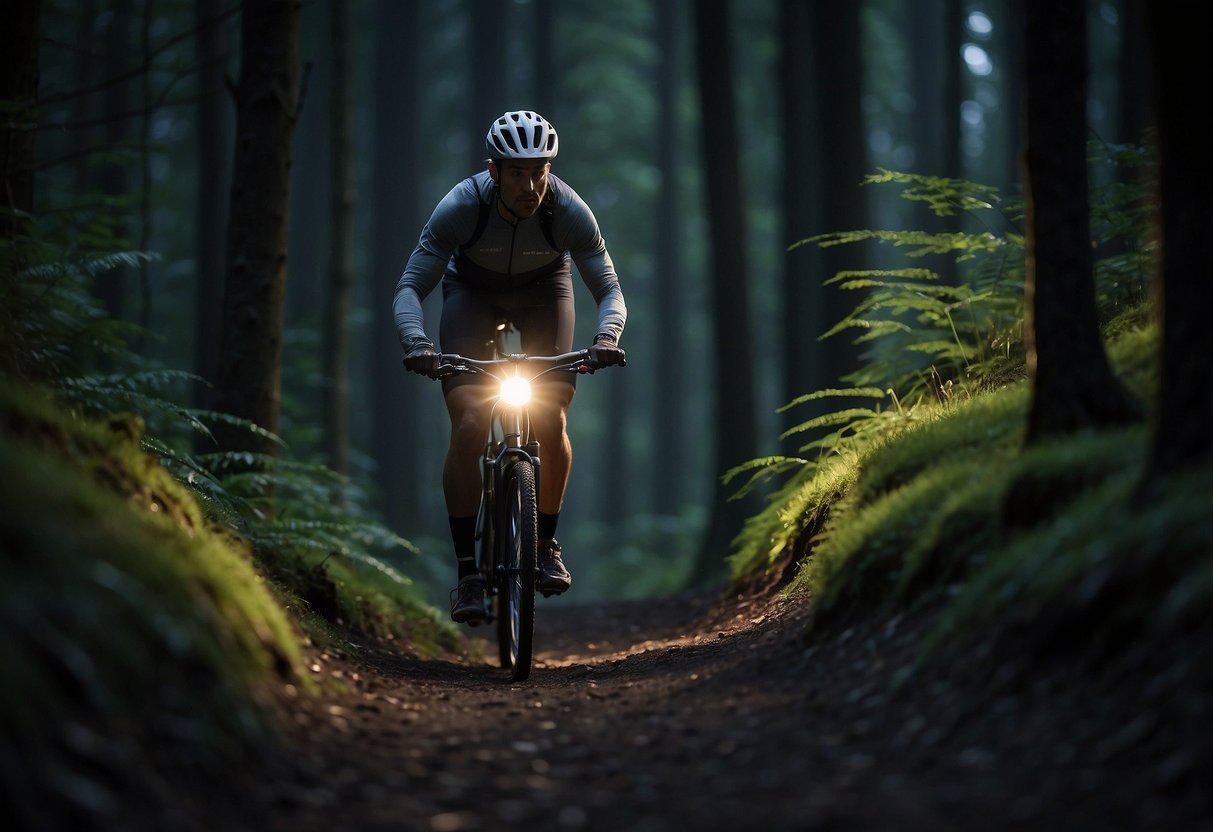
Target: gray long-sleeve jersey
{"points": [[506, 255]]}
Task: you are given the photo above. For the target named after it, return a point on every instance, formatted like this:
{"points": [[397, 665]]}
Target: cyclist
{"points": [[502, 243]]}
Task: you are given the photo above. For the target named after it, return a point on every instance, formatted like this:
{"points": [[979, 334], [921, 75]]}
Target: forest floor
{"points": [[700, 713]]}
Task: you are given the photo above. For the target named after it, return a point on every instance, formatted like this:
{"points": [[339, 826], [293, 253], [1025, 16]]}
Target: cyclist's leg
{"points": [[549, 418], [467, 328], [469, 410]]}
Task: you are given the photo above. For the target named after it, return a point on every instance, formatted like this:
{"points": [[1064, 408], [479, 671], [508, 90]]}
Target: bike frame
{"points": [[510, 442]]}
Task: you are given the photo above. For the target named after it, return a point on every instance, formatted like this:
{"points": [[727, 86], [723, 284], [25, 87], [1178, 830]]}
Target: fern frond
{"points": [[765, 463], [761, 470], [946, 197], [838, 417], [91, 265], [909, 274], [217, 417], [835, 392], [965, 246], [892, 289], [940, 347], [102, 394], [876, 329]]}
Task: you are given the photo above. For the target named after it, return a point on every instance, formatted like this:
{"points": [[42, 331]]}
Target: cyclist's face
{"points": [[523, 184]]}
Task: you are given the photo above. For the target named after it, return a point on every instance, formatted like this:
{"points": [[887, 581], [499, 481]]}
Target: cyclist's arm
{"points": [[452, 221], [579, 229]]}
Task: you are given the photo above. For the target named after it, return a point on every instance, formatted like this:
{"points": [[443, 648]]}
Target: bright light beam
{"points": [[515, 391]]}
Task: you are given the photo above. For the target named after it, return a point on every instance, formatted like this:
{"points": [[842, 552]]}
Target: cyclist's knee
{"points": [[550, 422], [552, 401], [469, 419]]}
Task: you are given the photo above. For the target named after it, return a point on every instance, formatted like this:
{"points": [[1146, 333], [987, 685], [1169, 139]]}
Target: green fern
{"points": [[945, 197], [53, 331], [928, 341], [137, 391], [761, 470], [854, 429], [50, 324]]}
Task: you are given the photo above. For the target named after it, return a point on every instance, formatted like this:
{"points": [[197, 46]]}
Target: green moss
{"points": [[862, 560], [1050, 547], [790, 516], [982, 429], [136, 640], [344, 593], [1112, 571], [893, 534]]}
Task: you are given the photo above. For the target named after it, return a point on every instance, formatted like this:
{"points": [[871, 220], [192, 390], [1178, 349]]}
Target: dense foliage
{"points": [[151, 593], [933, 503]]}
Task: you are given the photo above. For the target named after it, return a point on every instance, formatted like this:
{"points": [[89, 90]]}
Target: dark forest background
{"points": [[708, 137]]}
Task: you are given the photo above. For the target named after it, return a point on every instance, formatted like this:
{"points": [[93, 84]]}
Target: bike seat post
{"points": [[504, 328]]}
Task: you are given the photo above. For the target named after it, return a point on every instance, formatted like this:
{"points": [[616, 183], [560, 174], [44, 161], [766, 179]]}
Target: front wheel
{"points": [[516, 600]]}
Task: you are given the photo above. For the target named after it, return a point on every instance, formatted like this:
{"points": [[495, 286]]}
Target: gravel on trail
{"points": [[702, 713]]}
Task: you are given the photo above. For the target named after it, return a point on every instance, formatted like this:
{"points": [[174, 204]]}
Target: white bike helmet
{"points": [[522, 134]]}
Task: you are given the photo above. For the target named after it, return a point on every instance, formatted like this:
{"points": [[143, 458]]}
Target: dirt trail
{"points": [[683, 714]]}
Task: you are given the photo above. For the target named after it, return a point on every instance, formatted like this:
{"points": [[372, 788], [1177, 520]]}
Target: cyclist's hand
{"points": [[421, 359], [605, 353]]}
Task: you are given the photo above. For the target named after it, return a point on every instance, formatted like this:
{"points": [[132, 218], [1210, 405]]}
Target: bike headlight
{"points": [[515, 391]]}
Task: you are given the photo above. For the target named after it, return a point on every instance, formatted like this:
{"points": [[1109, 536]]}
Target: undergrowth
{"points": [[934, 504], [137, 638], [332, 559], [153, 599]]}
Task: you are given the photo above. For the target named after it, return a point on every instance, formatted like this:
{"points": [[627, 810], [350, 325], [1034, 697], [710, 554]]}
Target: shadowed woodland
{"points": [[917, 411]]}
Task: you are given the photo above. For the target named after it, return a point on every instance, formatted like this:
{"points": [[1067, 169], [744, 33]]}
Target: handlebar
{"points": [[451, 364]]}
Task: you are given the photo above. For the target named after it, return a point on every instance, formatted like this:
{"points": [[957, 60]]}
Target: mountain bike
{"points": [[506, 525]]}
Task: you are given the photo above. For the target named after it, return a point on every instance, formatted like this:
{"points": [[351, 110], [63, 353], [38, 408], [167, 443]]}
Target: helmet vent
{"points": [[522, 134]]}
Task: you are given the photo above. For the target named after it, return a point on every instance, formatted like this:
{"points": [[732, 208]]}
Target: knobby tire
{"points": [[518, 538]]}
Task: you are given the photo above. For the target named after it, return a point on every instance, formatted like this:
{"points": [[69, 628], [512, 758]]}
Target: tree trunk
{"points": [[310, 227], [250, 371], [18, 83], [953, 69], [336, 331], [935, 67], [735, 428], [113, 285], [930, 62], [669, 469], [1072, 384], [615, 473], [489, 90], [214, 136], [839, 200], [1011, 52], [398, 399], [802, 217], [546, 73], [1135, 83], [836, 33], [82, 141], [147, 107], [1183, 427]]}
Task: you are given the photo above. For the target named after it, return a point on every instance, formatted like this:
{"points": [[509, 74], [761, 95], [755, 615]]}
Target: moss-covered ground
{"points": [[142, 642], [1052, 547]]}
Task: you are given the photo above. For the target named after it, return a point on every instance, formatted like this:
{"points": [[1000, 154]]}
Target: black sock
{"points": [[463, 535], [546, 528]]}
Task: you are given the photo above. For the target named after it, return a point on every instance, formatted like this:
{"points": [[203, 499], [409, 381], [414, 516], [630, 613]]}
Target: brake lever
{"points": [[445, 371]]}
